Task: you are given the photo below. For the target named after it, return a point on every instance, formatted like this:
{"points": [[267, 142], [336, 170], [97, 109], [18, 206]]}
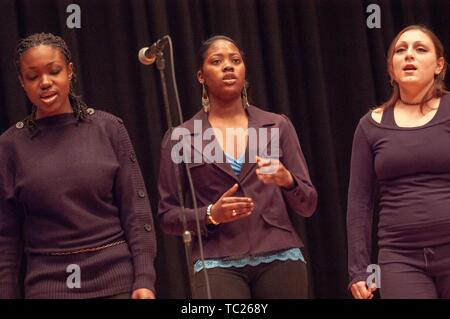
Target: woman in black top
{"points": [[401, 147]]}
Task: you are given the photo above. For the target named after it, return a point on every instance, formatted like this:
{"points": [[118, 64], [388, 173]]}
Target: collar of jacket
{"points": [[257, 118]]}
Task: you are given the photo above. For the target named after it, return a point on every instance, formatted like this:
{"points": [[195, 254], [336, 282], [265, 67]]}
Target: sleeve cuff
{"points": [[9, 291], [144, 273], [293, 188], [144, 282]]}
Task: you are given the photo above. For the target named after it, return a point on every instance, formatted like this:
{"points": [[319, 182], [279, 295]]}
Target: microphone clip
{"points": [[148, 55]]}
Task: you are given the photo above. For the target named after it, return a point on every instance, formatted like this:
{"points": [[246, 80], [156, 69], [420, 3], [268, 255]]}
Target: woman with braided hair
{"points": [[72, 196]]}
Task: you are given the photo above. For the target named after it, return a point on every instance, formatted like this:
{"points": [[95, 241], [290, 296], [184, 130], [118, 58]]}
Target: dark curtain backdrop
{"points": [[315, 61]]}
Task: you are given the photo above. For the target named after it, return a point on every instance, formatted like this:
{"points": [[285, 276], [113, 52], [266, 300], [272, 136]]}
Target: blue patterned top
{"points": [[236, 164], [290, 254]]}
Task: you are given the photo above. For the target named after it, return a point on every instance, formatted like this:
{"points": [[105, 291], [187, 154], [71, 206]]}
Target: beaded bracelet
{"points": [[209, 215]]}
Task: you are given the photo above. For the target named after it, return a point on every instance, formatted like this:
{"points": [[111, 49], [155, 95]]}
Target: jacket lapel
{"points": [[257, 119], [201, 147], [205, 146]]}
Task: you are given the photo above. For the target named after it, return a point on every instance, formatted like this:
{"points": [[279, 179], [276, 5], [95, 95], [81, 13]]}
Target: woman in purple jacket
{"points": [[402, 147], [71, 191], [251, 249]]}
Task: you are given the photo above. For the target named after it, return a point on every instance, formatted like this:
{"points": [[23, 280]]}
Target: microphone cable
{"points": [[187, 236]]}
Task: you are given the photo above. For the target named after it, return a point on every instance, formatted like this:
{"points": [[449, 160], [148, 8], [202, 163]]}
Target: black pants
{"points": [[420, 273], [278, 279]]}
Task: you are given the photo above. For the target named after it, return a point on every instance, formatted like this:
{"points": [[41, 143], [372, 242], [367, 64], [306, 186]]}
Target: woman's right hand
{"points": [[361, 291], [228, 208]]}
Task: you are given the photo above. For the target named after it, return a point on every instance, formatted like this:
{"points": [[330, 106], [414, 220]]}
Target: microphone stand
{"points": [[187, 236]]}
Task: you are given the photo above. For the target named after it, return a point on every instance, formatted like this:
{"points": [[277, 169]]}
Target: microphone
{"points": [[147, 55]]}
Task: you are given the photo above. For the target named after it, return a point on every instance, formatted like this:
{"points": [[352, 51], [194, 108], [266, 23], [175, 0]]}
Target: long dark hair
{"points": [[438, 87], [34, 40]]}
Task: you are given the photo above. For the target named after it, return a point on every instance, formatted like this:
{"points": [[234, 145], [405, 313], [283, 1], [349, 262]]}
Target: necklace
{"points": [[414, 103]]}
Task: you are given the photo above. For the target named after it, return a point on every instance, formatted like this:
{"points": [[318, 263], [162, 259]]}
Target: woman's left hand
{"points": [[272, 171], [143, 293]]}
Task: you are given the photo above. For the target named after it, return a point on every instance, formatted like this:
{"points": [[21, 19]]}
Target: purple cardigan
{"points": [[268, 228], [74, 186]]}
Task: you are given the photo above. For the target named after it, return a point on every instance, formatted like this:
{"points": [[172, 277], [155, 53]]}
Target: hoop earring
{"points": [[244, 98], [392, 81], [205, 99]]}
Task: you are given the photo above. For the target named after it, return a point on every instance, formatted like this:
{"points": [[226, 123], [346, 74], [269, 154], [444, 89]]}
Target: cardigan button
{"points": [[141, 194], [90, 111], [19, 125], [132, 157], [148, 227]]}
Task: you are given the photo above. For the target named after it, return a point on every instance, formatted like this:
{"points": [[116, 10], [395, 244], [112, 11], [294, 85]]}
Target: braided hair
{"points": [[34, 40]]}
